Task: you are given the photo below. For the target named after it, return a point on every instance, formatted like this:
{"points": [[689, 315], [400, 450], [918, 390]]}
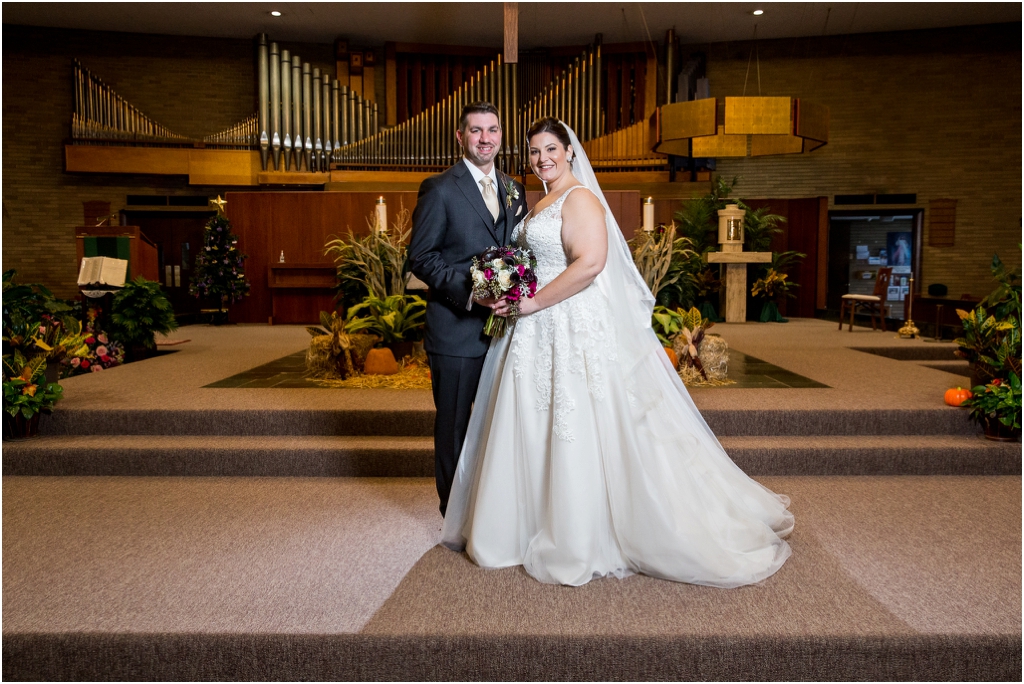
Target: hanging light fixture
{"points": [[740, 127]]}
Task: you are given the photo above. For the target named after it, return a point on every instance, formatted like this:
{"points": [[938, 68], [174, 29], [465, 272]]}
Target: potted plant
{"points": [[397, 320], [997, 407], [774, 284], [991, 341], [979, 341], [140, 311], [26, 395]]}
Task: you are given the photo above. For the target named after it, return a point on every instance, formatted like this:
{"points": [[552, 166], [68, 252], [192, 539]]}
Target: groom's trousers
{"points": [[454, 380]]}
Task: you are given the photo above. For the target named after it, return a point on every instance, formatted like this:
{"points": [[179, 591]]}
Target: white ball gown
{"points": [[585, 458]]}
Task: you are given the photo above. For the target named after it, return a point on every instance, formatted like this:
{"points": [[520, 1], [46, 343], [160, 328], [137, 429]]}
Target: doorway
{"points": [[178, 236], [861, 242]]}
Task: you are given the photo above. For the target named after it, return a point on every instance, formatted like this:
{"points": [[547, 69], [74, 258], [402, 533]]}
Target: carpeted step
{"points": [[253, 456], [267, 579], [321, 456], [874, 455], [406, 422]]}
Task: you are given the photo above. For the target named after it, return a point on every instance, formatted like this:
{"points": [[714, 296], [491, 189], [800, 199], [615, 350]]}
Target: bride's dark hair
{"points": [[549, 124]]}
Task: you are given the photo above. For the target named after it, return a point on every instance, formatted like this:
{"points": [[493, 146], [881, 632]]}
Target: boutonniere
{"points": [[511, 192]]}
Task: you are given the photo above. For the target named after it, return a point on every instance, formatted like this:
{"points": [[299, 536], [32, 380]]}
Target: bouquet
{"points": [[504, 272]]}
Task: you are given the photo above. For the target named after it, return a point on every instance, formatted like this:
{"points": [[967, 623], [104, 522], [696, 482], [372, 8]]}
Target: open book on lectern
{"points": [[103, 271]]}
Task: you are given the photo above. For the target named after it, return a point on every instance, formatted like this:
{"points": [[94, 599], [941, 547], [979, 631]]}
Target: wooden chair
{"points": [[872, 304]]}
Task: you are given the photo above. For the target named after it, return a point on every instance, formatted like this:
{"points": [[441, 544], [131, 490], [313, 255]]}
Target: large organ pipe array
{"points": [[574, 97], [102, 114], [427, 141], [304, 116], [307, 121]]}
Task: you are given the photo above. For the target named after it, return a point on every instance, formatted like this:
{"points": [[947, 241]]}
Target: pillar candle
{"points": [[649, 214], [382, 215]]}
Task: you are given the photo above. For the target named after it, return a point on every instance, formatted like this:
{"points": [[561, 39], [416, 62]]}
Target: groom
{"points": [[460, 214]]}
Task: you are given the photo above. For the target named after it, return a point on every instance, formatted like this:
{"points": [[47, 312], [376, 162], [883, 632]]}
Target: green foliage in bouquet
{"points": [[141, 310], [374, 264], [397, 318], [999, 400]]}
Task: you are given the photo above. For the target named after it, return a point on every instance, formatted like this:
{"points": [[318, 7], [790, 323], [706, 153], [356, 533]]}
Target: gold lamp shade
{"points": [[739, 127]]}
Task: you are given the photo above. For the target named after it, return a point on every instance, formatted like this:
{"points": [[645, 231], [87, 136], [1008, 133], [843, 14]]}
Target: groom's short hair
{"points": [[477, 108]]}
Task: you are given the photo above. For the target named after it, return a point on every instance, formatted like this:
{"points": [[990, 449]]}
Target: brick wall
{"points": [[193, 86], [937, 113]]}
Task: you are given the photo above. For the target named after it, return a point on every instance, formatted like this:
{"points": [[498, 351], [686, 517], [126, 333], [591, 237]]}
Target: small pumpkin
{"points": [[673, 359], [955, 397], [380, 362]]}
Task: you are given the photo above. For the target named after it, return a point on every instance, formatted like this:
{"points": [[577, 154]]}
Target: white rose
{"points": [[478, 278], [497, 264], [505, 279]]}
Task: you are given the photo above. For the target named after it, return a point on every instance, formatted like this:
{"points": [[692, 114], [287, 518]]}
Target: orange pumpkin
{"points": [[672, 357], [955, 397], [380, 362]]}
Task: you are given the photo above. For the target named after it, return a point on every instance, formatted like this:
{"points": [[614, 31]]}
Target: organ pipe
{"points": [[286, 108], [275, 104]]}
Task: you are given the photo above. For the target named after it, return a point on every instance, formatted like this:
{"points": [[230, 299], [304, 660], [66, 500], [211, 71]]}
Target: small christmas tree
{"points": [[219, 270]]}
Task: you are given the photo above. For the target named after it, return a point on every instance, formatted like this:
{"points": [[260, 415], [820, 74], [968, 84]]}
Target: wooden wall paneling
{"points": [[369, 81], [402, 90], [430, 96], [250, 218], [821, 300], [390, 85], [416, 80], [639, 87], [802, 231], [650, 91], [625, 95], [611, 90]]}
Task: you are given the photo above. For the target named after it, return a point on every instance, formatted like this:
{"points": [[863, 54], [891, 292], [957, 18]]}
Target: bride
{"points": [[585, 456]]}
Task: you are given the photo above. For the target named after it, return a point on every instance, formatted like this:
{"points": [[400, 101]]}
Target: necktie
{"points": [[490, 198]]}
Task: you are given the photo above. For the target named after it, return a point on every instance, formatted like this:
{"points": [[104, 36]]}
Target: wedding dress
{"points": [[585, 455]]}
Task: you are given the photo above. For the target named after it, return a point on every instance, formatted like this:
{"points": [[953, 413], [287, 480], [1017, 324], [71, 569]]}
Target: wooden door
{"points": [[178, 237], [805, 230]]}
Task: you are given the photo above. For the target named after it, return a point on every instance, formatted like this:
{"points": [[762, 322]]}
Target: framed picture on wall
{"points": [[900, 251]]}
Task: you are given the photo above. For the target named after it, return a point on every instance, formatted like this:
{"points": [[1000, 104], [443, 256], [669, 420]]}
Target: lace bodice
{"points": [[543, 234], [574, 336]]}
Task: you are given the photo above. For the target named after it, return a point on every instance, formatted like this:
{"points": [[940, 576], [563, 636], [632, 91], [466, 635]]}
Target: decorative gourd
{"points": [[673, 359], [380, 362], [955, 397]]}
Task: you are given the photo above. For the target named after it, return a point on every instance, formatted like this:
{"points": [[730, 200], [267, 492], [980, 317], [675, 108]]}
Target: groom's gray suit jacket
{"points": [[450, 226]]}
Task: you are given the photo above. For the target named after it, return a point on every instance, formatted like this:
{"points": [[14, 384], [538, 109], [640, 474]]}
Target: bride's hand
{"points": [[527, 306]]}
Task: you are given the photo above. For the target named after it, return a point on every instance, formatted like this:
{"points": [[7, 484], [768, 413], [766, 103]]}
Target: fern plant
{"points": [[398, 318], [141, 310]]}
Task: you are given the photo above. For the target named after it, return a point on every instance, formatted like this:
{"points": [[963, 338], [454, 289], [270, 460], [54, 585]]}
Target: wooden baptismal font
{"points": [[730, 235]]}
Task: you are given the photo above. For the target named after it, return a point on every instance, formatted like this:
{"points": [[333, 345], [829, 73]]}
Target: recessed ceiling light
{"points": [[757, 13], [275, 13]]}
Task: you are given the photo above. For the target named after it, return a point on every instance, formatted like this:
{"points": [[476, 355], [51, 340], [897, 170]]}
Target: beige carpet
{"points": [[266, 578]]}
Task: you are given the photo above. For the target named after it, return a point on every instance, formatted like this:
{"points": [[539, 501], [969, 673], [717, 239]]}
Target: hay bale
{"points": [[714, 356], [321, 361], [713, 353]]}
